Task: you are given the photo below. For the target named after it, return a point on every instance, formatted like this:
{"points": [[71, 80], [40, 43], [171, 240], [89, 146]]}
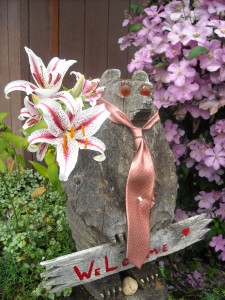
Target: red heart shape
{"points": [[186, 231]]}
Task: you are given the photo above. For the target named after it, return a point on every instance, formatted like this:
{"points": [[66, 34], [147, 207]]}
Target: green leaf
{"points": [[21, 160], [53, 176], [3, 115], [78, 88], [49, 158], [161, 64], [196, 51], [136, 8], [135, 27], [40, 125], [42, 170], [3, 167]]}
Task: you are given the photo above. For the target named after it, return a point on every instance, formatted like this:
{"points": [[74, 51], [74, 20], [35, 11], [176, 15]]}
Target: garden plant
{"points": [[180, 44]]}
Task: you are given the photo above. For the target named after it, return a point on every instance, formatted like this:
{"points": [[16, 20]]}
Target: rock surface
{"points": [[130, 286]]}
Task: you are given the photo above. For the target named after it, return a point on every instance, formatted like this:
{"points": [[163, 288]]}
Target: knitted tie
{"points": [[139, 188]]}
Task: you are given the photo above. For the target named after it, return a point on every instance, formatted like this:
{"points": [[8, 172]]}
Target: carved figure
{"points": [[96, 191]]}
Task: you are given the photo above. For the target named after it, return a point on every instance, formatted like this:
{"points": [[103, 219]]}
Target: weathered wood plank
{"points": [[71, 35], [104, 260], [117, 59], [4, 63], [96, 37]]}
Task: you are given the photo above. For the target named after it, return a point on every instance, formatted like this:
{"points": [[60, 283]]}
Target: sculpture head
{"points": [[134, 96]]}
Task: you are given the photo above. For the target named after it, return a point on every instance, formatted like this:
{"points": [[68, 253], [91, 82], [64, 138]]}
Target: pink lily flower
{"points": [[69, 132], [30, 112], [48, 80], [91, 91]]}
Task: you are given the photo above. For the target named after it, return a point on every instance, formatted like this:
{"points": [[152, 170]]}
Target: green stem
{"points": [[10, 199]]}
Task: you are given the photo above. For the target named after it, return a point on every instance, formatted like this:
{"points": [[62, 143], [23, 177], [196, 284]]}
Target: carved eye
{"points": [[145, 90], [125, 90]]}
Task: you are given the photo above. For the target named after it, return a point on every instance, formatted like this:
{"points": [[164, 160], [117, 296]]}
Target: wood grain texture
{"points": [[177, 236]]}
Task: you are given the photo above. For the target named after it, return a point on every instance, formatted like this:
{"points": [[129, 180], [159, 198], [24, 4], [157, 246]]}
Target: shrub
{"points": [[40, 232]]}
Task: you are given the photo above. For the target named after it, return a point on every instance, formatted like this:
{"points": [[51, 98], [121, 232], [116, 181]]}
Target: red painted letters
{"points": [[107, 268], [84, 274]]}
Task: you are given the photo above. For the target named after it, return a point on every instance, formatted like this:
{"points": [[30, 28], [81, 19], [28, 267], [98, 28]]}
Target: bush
{"points": [[39, 231]]}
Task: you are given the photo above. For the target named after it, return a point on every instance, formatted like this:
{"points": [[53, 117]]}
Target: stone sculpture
{"points": [[96, 191]]}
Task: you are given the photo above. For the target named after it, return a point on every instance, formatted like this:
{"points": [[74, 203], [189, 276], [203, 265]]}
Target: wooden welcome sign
{"points": [[97, 262]]}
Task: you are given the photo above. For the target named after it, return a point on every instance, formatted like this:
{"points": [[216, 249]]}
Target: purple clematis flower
{"points": [[180, 71], [218, 243]]}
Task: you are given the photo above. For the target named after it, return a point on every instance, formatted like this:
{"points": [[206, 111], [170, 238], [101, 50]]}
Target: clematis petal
{"points": [[55, 117], [74, 105], [37, 68], [19, 85], [88, 122], [91, 143], [67, 160]]}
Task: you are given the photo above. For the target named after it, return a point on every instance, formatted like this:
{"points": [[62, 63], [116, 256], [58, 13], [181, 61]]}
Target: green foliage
{"points": [[135, 27], [196, 51], [9, 144], [136, 8], [41, 233]]}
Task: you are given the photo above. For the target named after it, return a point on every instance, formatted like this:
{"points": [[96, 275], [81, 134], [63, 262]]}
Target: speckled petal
{"points": [[91, 119], [67, 161], [55, 117]]}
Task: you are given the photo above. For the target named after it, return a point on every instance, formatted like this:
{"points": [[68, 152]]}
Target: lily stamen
{"points": [[64, 144], [72, 131], [83, 130], [85, 144]]}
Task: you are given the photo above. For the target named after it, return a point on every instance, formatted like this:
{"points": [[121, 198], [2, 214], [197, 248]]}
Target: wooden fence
{"points": [[84, 30]]}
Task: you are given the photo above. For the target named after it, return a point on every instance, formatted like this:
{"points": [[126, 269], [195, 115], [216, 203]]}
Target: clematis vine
{"points": [[70, 132]]}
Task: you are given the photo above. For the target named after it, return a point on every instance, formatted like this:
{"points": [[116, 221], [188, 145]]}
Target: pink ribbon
{"points": [[139, 188]]}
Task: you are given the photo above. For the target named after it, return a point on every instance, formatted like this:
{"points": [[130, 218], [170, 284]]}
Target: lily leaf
{"points": [[53, 175], [196, 51], [40, 125], [42, 170], [49, 158], [78, 88], [135, 27], [3, 115]]}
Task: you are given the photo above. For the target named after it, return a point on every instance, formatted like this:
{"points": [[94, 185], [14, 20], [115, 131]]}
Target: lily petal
{"points": [[30, 106], [91, 119], [55, 117], [92, 143], [37, 68], [30, 122], [24, 113], [19, 85], [74, 105], [42, 149], [42, 136], [67, 161]]}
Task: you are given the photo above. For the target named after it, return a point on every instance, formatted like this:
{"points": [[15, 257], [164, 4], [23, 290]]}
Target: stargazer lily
{"points": [[69, 132], [91, 91], [48, 80], [30, 112]]}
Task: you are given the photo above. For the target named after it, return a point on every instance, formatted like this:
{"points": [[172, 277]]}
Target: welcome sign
{"points": [[97, 262]]}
